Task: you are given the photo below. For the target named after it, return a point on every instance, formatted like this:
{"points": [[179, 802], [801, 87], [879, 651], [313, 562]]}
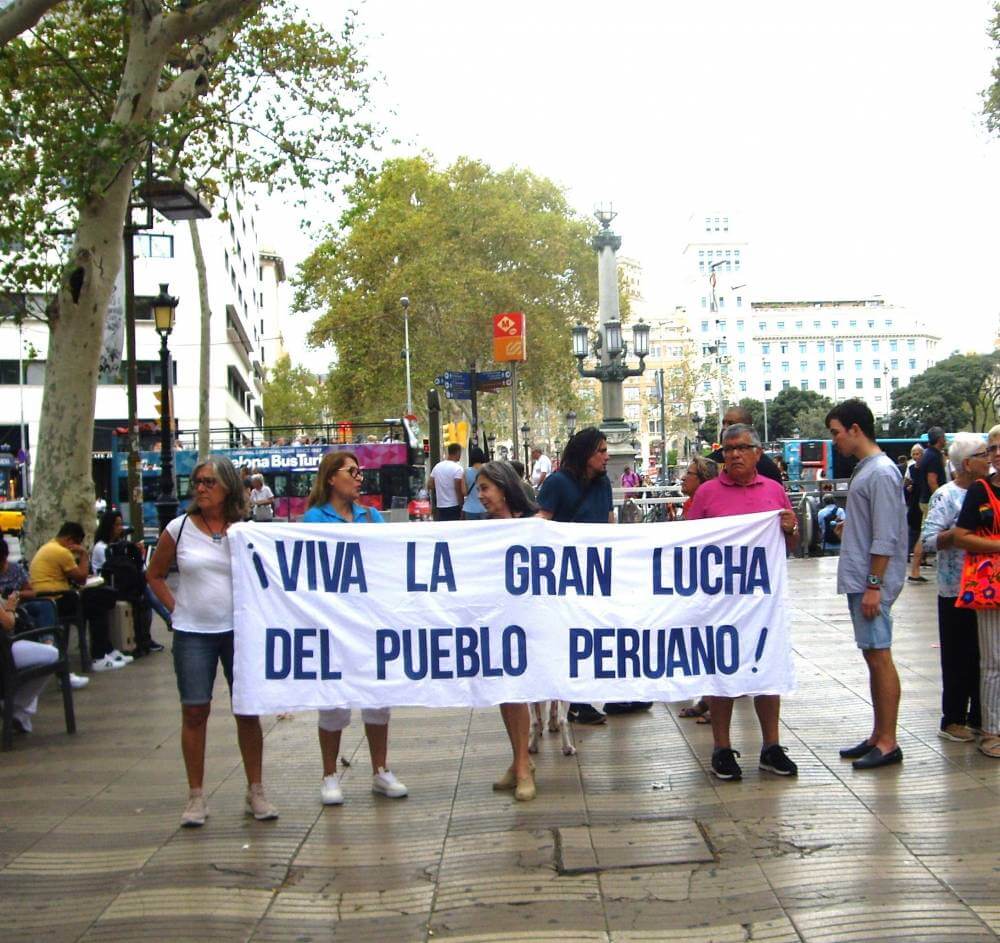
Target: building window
{"points": [[784, 366], [784, 347], [785, 384], [840, 384], [704, 327], [631, 412], [838, 347], [857, 365], [852, 323], [911, 344], [798, 325], [765, 347], [722, 301], [822, 384], [894, 363], [877, 383], [803, 366], [804, 384], [839, 366], [741, 347], [857, 347], [707, 386], [743, 386], [767, 386], [816, 325], [875, 346], [704, 301], [888, 322], [859, 384], [739, 301], [895, 383], [913, 364], [766, 366], [834, 324], [153, 245], [871, 324], [876, 364], [742, 366], [893, 346], [762, 325], [740, 325], [820, 347], [803, 346], [781, 325], [822, 366], [721, 325]]}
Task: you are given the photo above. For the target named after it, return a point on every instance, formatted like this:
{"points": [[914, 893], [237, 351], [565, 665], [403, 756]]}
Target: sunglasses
{"points": [[204, 482]]}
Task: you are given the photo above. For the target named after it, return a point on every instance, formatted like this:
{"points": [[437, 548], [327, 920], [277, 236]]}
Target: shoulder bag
{"points": [[980, 584]]}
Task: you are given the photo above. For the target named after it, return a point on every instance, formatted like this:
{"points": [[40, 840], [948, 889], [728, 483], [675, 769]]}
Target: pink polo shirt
{"points": [[723, 497]]}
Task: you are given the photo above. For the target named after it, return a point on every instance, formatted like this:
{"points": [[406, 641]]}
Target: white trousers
{"points": [[988, 622], [339, 717], [27, 655]]}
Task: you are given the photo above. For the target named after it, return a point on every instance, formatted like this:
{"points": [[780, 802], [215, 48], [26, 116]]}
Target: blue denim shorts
{"points": [[196, 660], [870, 633]]}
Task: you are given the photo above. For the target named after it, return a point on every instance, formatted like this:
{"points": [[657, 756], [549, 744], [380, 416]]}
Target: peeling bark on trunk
{"points": [[63, 485], [205, 358]]}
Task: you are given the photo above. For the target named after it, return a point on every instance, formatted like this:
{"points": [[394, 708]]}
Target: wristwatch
{"points": [[874, 582]]}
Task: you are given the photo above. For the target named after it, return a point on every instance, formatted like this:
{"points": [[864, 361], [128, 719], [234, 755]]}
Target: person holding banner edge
{"points": [[741, 489], [202, 616], [871, 570], [580, 492], [503, 497], [334, 500]]}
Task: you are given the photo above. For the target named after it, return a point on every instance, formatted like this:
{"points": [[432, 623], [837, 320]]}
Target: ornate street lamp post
{"points": [[163, 316], [525, 432], [405, 302], [609, 348]]}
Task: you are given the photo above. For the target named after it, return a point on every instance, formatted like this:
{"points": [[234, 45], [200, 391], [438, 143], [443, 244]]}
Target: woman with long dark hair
{"points": [[202, 612], [334, 500], [503, 497], [580, 492]]}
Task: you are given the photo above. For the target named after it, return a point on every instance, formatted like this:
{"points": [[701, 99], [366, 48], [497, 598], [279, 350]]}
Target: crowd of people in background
{"points": [[945, 502]]}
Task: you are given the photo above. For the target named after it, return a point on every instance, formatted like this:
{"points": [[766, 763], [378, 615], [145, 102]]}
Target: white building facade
{"points": [[247, 300], [839, 348]]}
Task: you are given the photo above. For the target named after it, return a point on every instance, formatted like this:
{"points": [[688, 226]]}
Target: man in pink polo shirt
{"points": [[739, 489]]}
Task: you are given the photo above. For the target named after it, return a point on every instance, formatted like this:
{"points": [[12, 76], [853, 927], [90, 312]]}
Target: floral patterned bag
{"points": [[980, 586]]}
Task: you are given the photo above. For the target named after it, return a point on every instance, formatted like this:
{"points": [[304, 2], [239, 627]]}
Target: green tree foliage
{"points": [[991, 95], [244, 121], [463, 243], [791, 409], [959, 393], [756, 409], [293, 397]]}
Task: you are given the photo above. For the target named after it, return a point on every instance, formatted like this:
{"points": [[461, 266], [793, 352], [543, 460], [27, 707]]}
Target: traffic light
{"points": [[450, 433], [158, 396], [427, 446]]}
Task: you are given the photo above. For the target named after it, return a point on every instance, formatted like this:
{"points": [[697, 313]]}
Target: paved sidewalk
{"points": [[90, 847]]}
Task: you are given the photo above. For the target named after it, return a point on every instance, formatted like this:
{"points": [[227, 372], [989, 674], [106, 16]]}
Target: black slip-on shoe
{"points": [[875, 758]]}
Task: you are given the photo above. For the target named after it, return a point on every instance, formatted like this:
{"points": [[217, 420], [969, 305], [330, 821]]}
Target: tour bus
{"points": [[815, 459], [391, 458]]}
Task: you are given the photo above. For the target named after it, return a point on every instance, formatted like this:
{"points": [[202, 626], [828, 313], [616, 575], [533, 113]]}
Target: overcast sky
{"points": [[846, 137]]}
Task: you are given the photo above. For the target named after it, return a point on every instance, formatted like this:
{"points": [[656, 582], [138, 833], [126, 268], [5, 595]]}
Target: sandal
{"points": [[705, 718], [699, 710], [990, 746]]}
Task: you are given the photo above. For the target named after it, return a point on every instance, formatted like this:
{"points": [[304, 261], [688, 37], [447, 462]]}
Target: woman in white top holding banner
{"points": [[202, 615]]}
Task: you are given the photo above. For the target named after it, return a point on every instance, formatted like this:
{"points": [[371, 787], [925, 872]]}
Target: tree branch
{"points": [[21, 15], [198, 20], [194, 79]]}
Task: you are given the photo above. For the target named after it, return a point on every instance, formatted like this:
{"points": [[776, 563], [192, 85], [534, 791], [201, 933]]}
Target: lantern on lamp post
{"points": [[164, 308]]}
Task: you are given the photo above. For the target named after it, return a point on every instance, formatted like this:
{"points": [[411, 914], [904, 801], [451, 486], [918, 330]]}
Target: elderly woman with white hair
{"points": [[977, 530], [960, 710], [261, 500]]}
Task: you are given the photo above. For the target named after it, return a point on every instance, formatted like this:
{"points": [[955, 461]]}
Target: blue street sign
{"points": [[493, 376], [458, 394], [440, 380]]}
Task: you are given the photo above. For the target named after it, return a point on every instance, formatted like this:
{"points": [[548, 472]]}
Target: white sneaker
{"points": [[385, 782], [257, 804], [116, 655], [331, 793], [107, 663], [78, 681], [196, 810]]}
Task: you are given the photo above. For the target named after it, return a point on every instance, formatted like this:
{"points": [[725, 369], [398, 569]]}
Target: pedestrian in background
{"points": [[957, 633], [541, 467], [472, 508], [447, 485], [978, 531]]}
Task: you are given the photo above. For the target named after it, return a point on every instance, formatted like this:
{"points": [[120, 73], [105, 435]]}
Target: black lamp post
{"points": [[491, 440], [525, 432], [163, 316], [570, 424]]}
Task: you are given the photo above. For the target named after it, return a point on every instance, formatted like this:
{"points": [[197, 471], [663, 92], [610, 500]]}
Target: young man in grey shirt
{"points": [[871, 570]]}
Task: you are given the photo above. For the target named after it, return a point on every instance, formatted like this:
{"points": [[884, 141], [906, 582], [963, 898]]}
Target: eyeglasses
{"points": [[737, 449], [353, 471], [204, 482], [993, 448]]}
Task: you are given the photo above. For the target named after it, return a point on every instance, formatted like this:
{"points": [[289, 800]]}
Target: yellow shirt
{"points": [[49, 567]]}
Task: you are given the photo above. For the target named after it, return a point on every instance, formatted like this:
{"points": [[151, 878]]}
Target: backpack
{"points": [[123, 570]]}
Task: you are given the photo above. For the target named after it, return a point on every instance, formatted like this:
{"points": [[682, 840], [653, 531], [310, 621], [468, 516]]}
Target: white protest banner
{"points": [[474, 613]]}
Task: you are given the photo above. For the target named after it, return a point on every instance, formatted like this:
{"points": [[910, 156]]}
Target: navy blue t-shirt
{"points": [[560, 494]]}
